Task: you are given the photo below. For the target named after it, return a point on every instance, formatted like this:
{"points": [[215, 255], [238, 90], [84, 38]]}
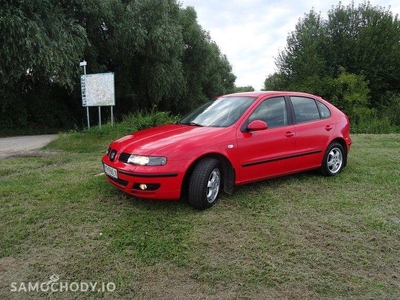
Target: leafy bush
{"points": [[142, 120], [96, 139], [372, 123]]}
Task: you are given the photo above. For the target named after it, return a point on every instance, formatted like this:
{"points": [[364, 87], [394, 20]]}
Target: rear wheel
{"points": [[334, 159], [205, 183]]}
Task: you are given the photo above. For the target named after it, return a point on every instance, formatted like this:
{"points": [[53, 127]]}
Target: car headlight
{"points": [[147, 160]]}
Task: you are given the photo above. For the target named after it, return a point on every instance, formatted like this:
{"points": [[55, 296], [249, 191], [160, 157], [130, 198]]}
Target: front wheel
{"points": [[334, 160], [205, 183]]}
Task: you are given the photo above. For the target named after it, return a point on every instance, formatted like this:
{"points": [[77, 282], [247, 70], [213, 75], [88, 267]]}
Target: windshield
{"points": [[222, 112]]}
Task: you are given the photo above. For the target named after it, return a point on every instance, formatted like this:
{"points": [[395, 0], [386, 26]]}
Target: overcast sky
{"points": [[251, 33]]}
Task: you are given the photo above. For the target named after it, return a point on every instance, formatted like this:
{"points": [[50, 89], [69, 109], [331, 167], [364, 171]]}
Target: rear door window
{"points": [[305, 109]]}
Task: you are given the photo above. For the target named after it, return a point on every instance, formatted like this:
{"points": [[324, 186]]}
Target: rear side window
{"points": [[323, 110], [307, 109]]}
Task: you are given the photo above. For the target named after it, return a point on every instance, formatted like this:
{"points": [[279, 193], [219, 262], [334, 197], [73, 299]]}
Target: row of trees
{"points": [[352, 58], [163, 59], [160, 55]]}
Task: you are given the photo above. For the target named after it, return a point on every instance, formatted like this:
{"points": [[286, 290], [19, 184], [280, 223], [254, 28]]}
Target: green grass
{"points": [[297, 237]]}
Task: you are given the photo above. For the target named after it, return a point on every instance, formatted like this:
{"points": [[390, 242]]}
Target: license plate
{"points": [[110, 171]]}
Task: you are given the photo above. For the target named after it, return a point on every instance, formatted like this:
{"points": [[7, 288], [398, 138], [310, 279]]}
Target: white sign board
{"points": [[98, 89]]}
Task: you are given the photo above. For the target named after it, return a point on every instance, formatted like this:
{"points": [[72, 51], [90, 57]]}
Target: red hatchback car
{"points": [[235, 139]]}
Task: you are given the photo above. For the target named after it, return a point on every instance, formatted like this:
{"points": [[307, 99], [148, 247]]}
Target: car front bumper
{"points": [[149, 184]]}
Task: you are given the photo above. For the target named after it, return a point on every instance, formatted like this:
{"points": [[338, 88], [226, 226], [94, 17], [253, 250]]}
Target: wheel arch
{"points": [[228, 172], [342, 142]]}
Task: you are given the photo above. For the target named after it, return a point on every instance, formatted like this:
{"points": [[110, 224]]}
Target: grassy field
{"points": [[298, 237]]}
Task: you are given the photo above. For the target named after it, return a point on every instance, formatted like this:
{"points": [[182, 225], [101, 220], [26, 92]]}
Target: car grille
{"points": [[124, 157], [111, 154]]}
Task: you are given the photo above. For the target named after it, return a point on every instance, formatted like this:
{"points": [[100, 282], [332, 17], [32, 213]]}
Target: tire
{"points": [[205, 183], [334, 160]]}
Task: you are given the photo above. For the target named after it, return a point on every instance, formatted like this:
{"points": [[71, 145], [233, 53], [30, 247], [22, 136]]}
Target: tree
{"points": [[161, 57], [275, 82], [363, 41], [240, 89], [352, 95], [152, 48], [206, 70], [38, 41], [40, 48], [303, 56], [220, 79], [196, 60]]}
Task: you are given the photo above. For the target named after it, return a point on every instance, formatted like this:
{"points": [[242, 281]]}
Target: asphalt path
{"points": [[24, 145]]}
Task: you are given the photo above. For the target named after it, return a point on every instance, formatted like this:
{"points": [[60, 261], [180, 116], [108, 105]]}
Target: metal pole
{"points": [[87, 107], [99, 117], [112, 116]]}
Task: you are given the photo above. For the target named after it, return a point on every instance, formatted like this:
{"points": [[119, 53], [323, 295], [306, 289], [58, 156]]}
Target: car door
{"points": [[314, 127], [270, 151]]}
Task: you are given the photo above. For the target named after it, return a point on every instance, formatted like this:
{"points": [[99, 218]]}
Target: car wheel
{"points": [[333, 160], [205, 183]]}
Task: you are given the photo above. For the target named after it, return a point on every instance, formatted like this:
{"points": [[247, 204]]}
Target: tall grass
{"points": [[95, 138]]}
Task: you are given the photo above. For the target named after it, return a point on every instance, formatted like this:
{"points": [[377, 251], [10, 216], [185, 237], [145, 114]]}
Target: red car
{"points": [[235, 139]]}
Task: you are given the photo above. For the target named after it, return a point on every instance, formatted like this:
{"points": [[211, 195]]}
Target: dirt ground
{"points": [[24, 145]]}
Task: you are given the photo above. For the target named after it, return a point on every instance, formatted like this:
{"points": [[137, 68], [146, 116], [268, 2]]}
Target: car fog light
{"points": [[143, 186]]}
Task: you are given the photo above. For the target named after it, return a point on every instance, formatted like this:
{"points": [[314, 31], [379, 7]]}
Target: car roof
{"points": [[264, 93]]}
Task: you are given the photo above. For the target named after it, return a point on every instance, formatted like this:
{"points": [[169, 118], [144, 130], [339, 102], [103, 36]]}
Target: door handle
{"points": [[328, 127], [289, 134]]}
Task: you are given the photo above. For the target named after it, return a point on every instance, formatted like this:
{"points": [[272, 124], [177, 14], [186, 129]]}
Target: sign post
{"points": [[83, 64], [98, 90]]}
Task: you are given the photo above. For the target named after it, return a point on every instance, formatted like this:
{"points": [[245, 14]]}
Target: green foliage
{"points": [[362, 41], [392, 107], [207, 72], [302, 56], [141, 120], [351, 95], [369, 121], [239, 89], [154, 46], [160, 55], [275, 82], [96, 139], [39, 43]]}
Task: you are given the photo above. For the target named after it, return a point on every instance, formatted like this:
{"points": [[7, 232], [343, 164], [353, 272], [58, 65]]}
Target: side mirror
{"points": [[257, 125]]}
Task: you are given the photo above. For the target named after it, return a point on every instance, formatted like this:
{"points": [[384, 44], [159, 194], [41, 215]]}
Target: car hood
{"points": [[169, 138]]}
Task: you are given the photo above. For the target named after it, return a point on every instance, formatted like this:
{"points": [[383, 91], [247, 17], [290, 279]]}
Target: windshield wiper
{"points": [[196, 124], [189, 124]]}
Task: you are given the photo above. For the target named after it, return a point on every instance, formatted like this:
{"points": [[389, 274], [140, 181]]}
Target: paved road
{"points": [[23, 145]]}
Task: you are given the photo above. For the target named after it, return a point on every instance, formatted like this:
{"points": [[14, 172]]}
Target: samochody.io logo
{"points": [[55, 285]]}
